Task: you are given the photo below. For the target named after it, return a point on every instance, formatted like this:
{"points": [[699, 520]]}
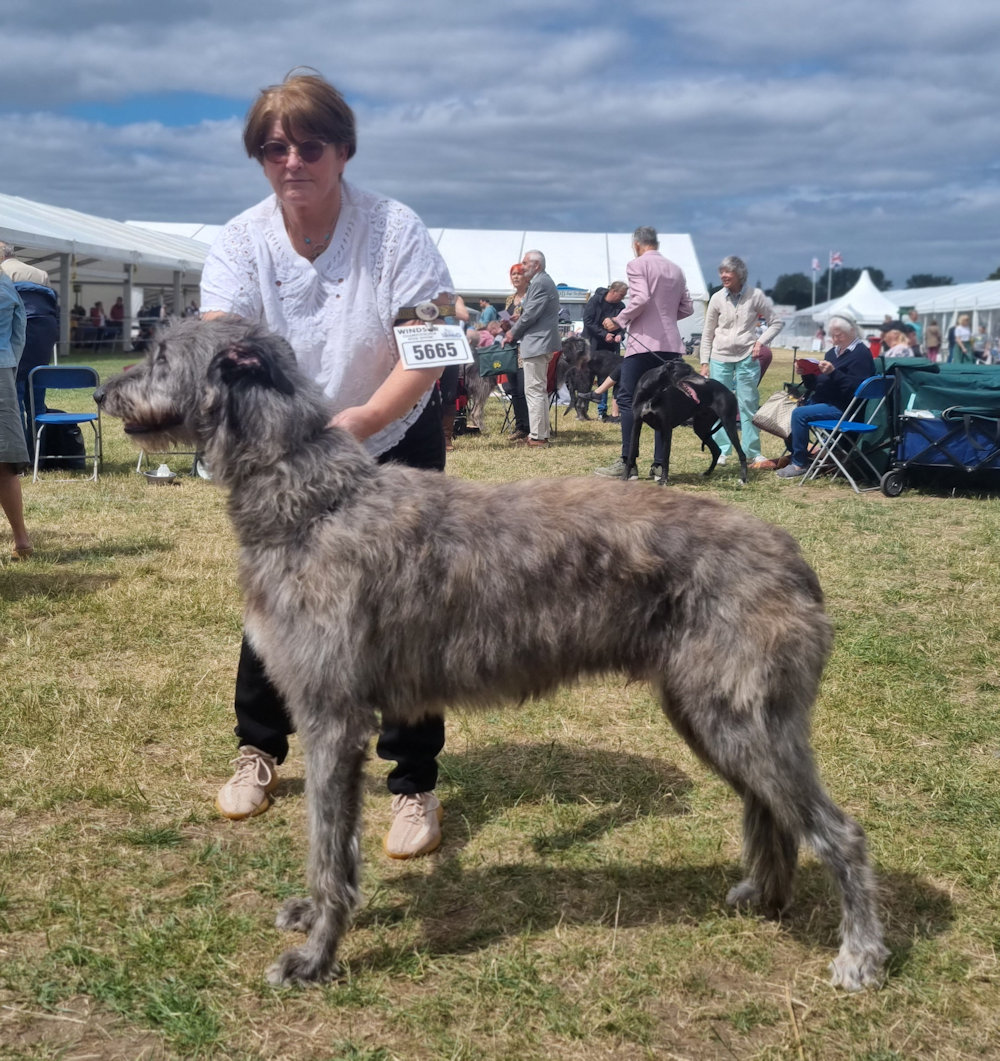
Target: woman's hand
{"points": [[400, 392], [358, 421], [826, 367]]}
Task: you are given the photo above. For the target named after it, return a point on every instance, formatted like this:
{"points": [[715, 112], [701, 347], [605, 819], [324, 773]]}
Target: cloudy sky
{"points": [[775, 129]]}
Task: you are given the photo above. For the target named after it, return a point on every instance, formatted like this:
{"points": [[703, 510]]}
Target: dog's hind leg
{"points": [[765, 755], [839, 841], [794, 805], [705, 433], [770, 855], [734, 438], [334, 772]]}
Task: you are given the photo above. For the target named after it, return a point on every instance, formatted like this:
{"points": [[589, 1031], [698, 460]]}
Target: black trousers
{"points": [[634, 367], [40, 336], [261, 717], [515, 388]]}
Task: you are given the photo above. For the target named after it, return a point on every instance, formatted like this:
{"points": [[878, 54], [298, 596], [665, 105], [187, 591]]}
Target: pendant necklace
{"points": [[313, 250]]}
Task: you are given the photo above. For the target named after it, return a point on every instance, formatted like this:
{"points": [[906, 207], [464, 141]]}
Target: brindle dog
{"points": [[364, 589]]}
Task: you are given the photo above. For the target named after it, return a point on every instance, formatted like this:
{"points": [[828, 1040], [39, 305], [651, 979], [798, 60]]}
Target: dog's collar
{"points": [[424, 311]]}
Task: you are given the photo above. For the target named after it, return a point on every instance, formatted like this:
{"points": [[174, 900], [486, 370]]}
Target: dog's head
{"points": [[256, 406], [677, 370], [157, 398], [574, 351]]}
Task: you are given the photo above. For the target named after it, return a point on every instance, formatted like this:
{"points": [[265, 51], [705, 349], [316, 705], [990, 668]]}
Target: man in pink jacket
{"points": [[657, 299]]}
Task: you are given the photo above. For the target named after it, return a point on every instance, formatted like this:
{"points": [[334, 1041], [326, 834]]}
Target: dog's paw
{"points": [[744, 896], [300, 966], [856, 970], [296, 915]]}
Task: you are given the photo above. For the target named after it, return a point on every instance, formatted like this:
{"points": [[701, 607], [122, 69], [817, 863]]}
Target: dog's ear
{"points": [[250, 362]]}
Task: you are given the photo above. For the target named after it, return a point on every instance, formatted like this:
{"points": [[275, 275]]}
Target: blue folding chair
{"points": [[839, 439], [64, 377]]}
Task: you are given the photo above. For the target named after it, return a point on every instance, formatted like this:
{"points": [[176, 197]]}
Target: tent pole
{"points": [[127, 300], [65, 290]]}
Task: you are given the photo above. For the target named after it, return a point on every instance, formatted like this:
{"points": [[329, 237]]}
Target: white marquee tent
{"points": [[77, 249], [945, 304], [480, 259]]}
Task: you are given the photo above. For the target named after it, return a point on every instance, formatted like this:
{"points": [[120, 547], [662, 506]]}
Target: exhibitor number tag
{"points": [[432, 345]]}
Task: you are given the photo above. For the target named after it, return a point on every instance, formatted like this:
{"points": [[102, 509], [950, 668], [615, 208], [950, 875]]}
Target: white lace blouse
{"points": [[337, 311]]}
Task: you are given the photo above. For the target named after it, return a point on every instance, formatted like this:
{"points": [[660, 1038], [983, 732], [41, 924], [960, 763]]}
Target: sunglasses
{"points": [[278, 150]]}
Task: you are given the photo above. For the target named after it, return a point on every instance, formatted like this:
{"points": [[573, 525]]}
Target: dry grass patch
{"points": [[575, 910]]}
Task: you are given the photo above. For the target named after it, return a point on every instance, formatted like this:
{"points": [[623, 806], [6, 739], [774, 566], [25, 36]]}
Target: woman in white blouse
{"points": [[331, 268]]}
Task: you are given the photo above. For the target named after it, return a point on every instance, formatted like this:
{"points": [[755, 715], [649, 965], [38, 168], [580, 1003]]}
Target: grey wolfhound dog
{"points": [[364, 593]]}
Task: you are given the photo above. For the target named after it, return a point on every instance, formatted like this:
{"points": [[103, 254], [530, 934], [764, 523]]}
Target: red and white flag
{"points": [[815, 265], [835, 260]]}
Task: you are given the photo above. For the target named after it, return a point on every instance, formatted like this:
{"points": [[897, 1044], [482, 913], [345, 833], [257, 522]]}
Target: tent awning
{"points": [[100, 248]]}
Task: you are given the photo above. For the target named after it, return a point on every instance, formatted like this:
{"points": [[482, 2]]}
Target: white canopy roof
{"points": [[480, 259], [100, 248], [954, 298]]}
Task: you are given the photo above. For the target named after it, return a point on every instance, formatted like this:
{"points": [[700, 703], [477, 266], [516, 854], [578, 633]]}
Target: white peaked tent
{"points": [[869, 306], [864, 302]]}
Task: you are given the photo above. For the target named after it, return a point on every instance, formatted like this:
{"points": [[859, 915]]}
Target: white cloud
{"points": [[768, 131]]}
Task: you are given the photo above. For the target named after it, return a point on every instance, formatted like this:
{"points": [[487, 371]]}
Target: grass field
{"points": [[576, 909]]}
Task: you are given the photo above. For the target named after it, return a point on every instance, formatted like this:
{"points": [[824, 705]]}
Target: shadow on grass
{"points": [[464, 911], [620, 786], [37, 580], [54, 586], [103, 550], [481, 784]]}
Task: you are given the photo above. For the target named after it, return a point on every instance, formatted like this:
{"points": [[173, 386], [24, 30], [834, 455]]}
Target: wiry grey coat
{"points": [[373, 590]]}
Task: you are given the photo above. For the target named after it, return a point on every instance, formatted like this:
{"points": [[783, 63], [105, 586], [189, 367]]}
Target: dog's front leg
{"points": [[334, 772], [668, 437], [632, 454]]}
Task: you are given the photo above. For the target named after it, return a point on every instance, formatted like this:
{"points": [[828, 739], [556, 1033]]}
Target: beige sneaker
{"points": [[416, 826], [247, 792]]}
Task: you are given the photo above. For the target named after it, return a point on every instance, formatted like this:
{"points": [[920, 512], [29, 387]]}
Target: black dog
{"points": [[585, 365], [674, 394]]}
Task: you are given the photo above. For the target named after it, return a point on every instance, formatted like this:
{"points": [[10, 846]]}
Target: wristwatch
{"points": [[424, 311]]}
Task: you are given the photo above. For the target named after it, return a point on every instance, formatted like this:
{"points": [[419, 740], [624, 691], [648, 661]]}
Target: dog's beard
{"points": [[155, 430], [154, 439]]}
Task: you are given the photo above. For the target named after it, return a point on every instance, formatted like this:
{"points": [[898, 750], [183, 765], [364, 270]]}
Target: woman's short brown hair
{"points": [[305, 105]]}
